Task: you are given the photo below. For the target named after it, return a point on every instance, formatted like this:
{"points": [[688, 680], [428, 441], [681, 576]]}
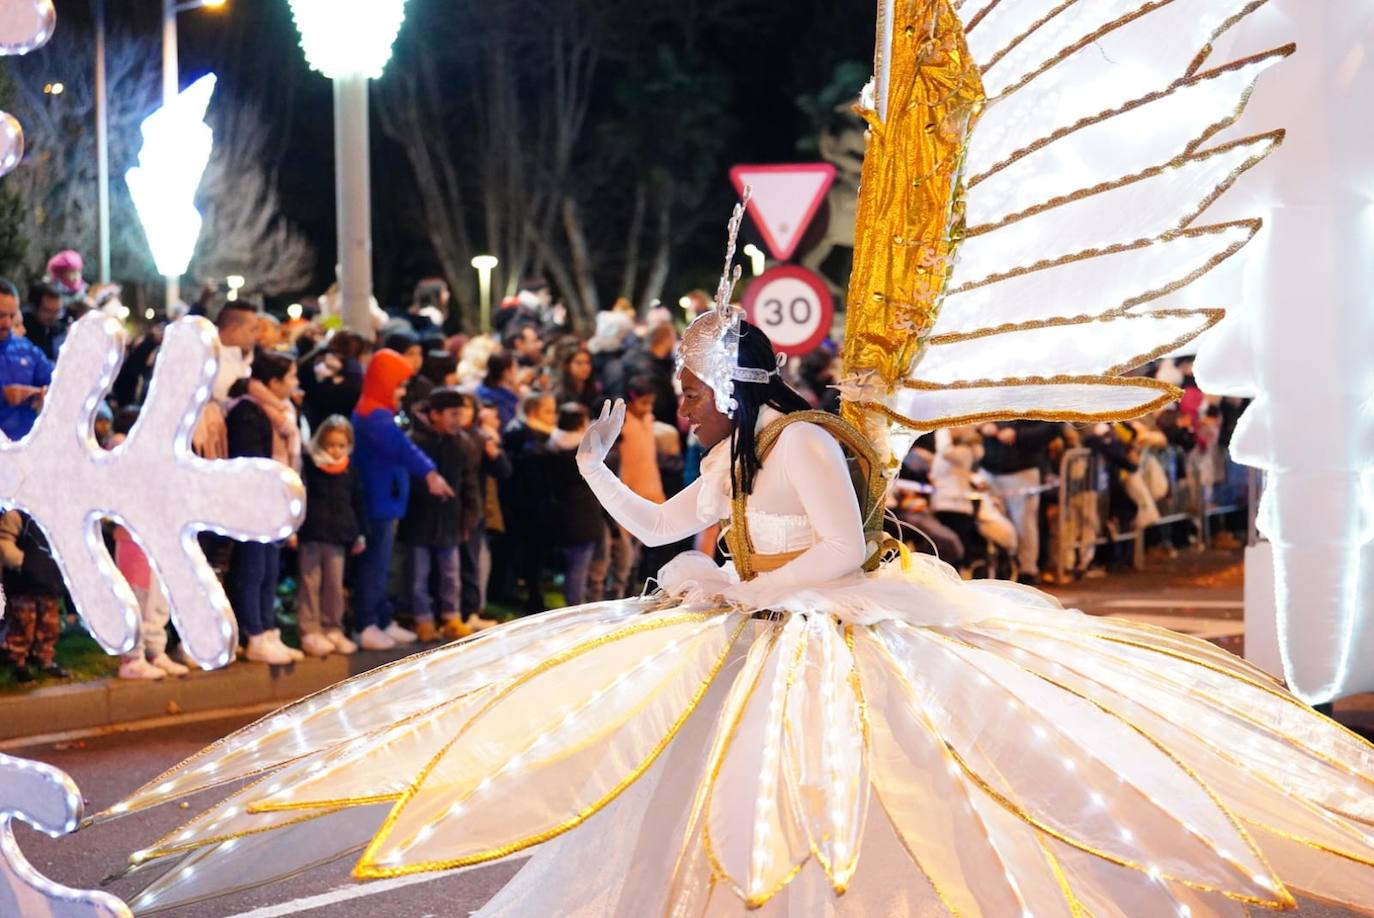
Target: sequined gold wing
{"points": [[1031, 210]]}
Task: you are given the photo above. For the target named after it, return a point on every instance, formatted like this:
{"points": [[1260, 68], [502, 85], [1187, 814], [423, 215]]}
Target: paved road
{"points": [[106, 768]]}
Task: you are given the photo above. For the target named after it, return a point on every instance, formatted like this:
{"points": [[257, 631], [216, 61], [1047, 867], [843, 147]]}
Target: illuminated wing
{"points": [[1074, 210]]}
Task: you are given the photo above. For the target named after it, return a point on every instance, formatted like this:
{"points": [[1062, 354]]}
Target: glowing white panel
{"points": [[1301, 344], [348, 37], [176, 149], [1089, 347], [1122, 278], [152, 484]]}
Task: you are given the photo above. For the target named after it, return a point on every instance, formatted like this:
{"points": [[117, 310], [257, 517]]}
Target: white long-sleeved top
{"points": [[803, 500]]}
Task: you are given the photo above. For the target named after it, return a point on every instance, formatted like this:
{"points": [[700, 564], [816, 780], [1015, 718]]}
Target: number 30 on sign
{"points": [[793, 306]]}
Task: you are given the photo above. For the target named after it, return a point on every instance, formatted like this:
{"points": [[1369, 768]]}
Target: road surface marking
{"points": [[341, 894], [1170, 604]]}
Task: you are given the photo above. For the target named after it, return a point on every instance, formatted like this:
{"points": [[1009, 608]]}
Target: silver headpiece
{"points": [[710, 345]]}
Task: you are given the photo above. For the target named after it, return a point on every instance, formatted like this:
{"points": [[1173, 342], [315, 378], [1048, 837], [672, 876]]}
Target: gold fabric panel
{"points": [[910, 212]]}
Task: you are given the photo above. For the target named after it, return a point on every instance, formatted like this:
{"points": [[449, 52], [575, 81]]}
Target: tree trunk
{"points": [[663, 255], [588, 304], [632, 239]]}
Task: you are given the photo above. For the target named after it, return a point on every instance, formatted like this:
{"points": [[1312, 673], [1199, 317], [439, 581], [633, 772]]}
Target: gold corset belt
{"points": [[762, 564]]}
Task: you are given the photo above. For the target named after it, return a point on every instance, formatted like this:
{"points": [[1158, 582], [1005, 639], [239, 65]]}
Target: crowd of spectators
{"points": [[441, 484]]}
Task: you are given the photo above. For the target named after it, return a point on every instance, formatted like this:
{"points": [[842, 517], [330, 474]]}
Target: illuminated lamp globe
{"points": [[348, 37]]}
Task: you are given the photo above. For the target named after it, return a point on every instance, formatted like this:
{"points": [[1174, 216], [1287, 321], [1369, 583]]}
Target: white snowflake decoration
{"points": [[45, 798], [152, 484]]}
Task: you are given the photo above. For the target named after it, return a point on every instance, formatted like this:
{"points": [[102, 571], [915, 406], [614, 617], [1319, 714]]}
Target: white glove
{"points": [[693, 577], [600, 435]]}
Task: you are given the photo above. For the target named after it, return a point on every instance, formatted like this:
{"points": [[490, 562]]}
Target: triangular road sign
{"points": [[785, 199]]}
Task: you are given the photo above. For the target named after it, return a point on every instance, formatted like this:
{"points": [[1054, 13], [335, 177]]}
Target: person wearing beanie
{"points": [[386, 461]]}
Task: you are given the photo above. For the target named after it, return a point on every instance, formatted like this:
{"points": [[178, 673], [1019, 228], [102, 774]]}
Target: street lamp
{"points": [[235, 283], [485, 264], [758, 261], [350, 42]]}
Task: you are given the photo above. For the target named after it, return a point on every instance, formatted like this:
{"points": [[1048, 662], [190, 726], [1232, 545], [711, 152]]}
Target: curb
{"points": [[105, 703]]}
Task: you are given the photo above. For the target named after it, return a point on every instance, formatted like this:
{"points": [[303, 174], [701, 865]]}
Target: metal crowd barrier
{"points": [[1083, 503]]}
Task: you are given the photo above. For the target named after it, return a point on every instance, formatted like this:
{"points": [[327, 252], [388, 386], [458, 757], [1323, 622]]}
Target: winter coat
{"points": [[334, 506], [29, 566], [574, 515], [21, 364], [525, 495], [1030, 451], [250, 430], [384, 455], [436, 522], [331, 385], [489, 471], [505, 401]]}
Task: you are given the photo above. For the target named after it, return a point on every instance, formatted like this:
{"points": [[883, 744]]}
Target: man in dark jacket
{"points": [[1014, 455], [433, 527]]}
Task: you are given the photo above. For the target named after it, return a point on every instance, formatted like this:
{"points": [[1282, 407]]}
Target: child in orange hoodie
{"points": [[386, 461]]}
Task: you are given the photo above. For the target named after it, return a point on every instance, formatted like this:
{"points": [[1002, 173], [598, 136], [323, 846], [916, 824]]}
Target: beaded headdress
{"points": [[710, 345]]}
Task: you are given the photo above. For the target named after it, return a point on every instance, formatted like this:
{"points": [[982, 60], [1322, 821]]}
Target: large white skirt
{"points": [[971, 749]]}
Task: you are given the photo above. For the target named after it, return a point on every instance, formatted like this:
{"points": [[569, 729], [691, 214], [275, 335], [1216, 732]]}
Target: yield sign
{"points": [[784, 201]]}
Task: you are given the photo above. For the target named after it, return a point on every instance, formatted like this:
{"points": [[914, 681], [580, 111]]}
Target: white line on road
{"points": [[341, 894], [1170, 604]]}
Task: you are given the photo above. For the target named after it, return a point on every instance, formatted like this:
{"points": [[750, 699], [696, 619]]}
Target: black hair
{"points": [[639, 385], [497, 365], [232, 313], [444, 397], [7, 288], [756, 351], [401, 341], [572, 415], [437, 366], [270, 365]]}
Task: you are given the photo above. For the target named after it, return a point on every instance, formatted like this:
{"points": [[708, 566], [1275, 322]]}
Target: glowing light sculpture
{"points": [[176, 149], [1076, 148], [152, 484], [1301, 347], [350, 42]]}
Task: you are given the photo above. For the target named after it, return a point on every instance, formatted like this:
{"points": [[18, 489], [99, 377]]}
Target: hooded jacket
{"points": [[385, 457], [436, 523]]}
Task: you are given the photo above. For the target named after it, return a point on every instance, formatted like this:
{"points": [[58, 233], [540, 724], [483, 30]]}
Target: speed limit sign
{"points": [[793, 306]]}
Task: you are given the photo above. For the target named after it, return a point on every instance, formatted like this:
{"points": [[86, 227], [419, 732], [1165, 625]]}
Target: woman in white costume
{"points": [[826, 725]]}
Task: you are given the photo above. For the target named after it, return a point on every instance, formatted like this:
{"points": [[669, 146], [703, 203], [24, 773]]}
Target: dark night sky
{"points": [[791, 48]]}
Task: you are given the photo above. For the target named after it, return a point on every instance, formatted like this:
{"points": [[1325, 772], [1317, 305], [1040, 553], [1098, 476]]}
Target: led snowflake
{"points": [[152, 484], [46, 799]]}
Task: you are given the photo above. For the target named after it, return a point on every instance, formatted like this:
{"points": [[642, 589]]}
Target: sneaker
{"points": [[316, 645], [54, 671], [374, 638], [426, 632], [168, 665], [400, 635], [478, 623], [275, 636], [341, 642], [455, 628], [139, 668], [262, 649]]}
